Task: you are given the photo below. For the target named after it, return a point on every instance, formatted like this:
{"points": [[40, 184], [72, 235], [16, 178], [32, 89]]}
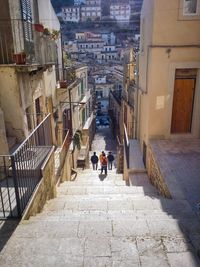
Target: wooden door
{"points": [[183, 101]]}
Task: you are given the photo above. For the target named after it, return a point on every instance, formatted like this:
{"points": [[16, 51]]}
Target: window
{"points": [[27, 19], [190, 7]]}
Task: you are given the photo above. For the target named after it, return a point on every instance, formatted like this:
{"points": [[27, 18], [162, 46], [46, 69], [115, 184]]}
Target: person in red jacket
{"points": [[104, 163]]}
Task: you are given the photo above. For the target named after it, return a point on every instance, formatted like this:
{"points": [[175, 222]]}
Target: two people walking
{"points": [[104, 161]]}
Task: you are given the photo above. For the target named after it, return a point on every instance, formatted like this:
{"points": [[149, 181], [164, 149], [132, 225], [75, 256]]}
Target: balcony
{"points": [[21, 44], [21, 171]]}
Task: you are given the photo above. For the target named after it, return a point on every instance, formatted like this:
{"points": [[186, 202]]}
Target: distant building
{"points": [[79, 2], [109, 38], [71, 14], [91, 10], [120, 12]]}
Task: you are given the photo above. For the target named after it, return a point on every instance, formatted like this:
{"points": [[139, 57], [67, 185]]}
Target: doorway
{"points": [[183, 101]]}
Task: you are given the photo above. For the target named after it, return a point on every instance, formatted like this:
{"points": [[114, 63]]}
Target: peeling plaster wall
{"points": [[10, 102]]}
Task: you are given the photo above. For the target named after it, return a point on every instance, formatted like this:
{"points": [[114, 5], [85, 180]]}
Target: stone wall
{"points": [[65, 174], [45, 190], [155, 174]]}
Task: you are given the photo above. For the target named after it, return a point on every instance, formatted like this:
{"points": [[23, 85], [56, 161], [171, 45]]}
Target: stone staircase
{"points": [[106, 223]]}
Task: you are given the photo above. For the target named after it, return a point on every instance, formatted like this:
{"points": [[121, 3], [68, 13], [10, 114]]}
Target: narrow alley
{"points": [[105, 223]]}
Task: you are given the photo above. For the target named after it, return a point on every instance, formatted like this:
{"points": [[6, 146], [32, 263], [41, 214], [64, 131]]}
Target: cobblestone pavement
{"points": [[106, 223]]}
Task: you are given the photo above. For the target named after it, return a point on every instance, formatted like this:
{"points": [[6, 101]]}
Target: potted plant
{"points": [[77, 139], [46, 32], [20, 58], [38, 27], [55, 35], [63, 84]]}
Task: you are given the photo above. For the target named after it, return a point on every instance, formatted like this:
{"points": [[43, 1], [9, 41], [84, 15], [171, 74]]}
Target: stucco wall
{"points": [[157, 66], [10, 102], [3, 141], [156, 105], [178, 31]]}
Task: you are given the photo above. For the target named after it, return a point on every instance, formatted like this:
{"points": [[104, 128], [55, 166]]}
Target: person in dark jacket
{"points": [[94, 159], [110, 158]]}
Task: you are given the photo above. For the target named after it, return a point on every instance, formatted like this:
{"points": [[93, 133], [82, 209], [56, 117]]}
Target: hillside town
{"points": [[100, 133]]}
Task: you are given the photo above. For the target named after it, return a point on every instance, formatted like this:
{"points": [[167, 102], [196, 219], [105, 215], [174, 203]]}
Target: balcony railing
{"points": [[21, 172], [20, 43]]}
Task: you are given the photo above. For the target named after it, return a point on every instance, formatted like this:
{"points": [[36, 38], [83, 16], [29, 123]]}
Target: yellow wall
{"points": [[157, 67], [10, 102]]}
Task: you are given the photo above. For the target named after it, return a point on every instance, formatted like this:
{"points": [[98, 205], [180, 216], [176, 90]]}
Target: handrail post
{"points": [[16, 186]]}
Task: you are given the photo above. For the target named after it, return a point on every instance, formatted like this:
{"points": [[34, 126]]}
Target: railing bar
{"points": [[19, 170], [18, 175], [21, 173], [8, 191], [24, 173], [16, 185], [6, 49], [3, 210], [31, 133], [2, 52], [31, 169]]}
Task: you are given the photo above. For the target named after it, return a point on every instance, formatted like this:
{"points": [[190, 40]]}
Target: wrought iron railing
{"points": [[126, 146], [21, 172], [18, 47], [64, 149], [130, 129]]}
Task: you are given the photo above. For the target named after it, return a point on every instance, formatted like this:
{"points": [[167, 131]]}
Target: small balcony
{"points": [[21, 171], [22, 44]]}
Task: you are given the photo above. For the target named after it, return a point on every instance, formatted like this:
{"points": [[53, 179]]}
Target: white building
{"points": [[100, 79], [108, 37], [71, 14], [90, 12], [79, 2], [121, 12]]}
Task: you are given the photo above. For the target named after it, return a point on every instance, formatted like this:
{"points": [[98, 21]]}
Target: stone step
{"points": [[67, 215], [82, 190], [105, 225], [145, 206]]}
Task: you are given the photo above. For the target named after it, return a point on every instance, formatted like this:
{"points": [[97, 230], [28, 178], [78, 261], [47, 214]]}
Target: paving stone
{"points": [[143, 205], [151, 251], [174, 244], [122, 228], [98, 247], [62, 229], [125, 263], [154, 261], [124, 250], [97, 262], [93, 205], [71, 246], [120, 205], [165, 227], [71, 205], [184, 259], [95, 229]]}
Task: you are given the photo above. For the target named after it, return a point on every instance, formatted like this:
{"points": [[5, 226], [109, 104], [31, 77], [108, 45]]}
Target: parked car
{"points": [[98, 122], [104, 121]]}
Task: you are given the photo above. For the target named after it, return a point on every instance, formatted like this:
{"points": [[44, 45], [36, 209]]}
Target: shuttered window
{"points": [[27, 19]]}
